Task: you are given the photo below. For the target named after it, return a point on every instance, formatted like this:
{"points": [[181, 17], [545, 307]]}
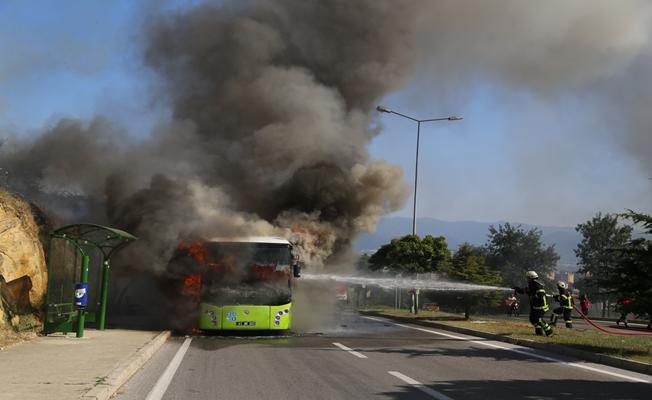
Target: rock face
{"points": [[21, 251]]}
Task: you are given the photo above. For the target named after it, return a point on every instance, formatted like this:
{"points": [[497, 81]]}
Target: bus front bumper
{"points": [[258, 317]]}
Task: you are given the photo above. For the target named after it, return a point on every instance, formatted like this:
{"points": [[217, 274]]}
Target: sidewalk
{"points": [[64, 367]]}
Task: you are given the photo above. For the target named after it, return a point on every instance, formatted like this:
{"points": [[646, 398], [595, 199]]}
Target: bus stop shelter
{"points": [[79, 260]]}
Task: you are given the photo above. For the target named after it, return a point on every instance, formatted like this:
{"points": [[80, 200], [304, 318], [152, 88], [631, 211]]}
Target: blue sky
{"points": [[72, 61], [516, 156]]}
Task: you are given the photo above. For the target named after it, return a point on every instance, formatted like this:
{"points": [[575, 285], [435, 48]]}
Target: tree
{"points": [[412, 254], [513, 251], [596, 253], [468, 265], [631, 277]]}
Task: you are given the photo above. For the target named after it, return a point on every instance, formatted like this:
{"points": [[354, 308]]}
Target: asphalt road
{"points": [[372, 358]]}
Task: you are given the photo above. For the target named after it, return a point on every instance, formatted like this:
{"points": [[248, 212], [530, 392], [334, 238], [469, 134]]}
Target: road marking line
{"points": [[164, 380], [350, 350], [418, 385], [529, 353]]}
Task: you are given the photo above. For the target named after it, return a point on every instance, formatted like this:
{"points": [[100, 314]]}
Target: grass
{"points": [[638, 348], [101, 380]]}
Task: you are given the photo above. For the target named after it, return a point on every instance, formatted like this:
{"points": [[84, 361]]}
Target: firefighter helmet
{"points": [[531, 275], [562, 285]]}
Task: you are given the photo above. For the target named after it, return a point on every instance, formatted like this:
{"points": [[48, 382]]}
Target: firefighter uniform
{"points": [[538, 304], [565, 301]]}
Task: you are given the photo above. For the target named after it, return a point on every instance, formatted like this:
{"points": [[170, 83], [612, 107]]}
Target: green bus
{"points": [[239, 283]]}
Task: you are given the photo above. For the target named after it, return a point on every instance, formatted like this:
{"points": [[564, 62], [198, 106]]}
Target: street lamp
{"points": [[384, 109]]}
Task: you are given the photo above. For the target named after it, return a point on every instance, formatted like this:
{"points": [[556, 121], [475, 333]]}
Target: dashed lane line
{"points": [[350, 350], [528, 353], [418, 385]]}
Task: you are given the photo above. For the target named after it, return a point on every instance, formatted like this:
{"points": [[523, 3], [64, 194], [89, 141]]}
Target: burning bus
{"points": [[237, 283]]}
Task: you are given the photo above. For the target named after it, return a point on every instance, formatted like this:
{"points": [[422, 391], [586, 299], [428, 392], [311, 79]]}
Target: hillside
{"points": [[565, 239]]}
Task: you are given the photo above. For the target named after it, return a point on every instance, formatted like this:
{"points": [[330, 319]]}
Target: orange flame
{"points": [[195, 250], [192, 285]]}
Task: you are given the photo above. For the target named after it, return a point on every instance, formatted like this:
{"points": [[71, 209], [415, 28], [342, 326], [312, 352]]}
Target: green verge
{"points": [[638, 348]]}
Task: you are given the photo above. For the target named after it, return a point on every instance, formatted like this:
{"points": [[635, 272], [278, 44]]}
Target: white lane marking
{"points": [[164, 380], [418, 385], [350, 350], [529, 353]]}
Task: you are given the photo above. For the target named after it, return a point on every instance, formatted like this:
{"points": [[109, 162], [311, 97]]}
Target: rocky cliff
{"points": [[23, 272]]}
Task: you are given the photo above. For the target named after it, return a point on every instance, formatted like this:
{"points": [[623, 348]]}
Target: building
{"points": [[565, 276]]}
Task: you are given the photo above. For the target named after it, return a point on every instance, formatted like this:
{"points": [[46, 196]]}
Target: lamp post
{"points": [[416, 162]]}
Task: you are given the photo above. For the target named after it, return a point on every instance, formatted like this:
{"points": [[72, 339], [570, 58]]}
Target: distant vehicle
{"points": [[239, 283], [431, 307]]}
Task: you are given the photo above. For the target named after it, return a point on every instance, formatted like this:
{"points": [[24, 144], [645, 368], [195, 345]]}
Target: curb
{"points": [[630, 365], [121, 374], [629, 321]]}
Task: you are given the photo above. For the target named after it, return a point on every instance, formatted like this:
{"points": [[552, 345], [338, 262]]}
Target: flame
{"points": [[201, 255], [227, 265], [196, 250], [192, 285], [269, 272], [311, 237]]}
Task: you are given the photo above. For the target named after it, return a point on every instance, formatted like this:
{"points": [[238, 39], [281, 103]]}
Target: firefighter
{"points": [[538, 303], [565, 300], [622, 306]]}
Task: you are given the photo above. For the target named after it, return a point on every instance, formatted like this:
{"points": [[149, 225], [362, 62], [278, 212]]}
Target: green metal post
{"points": [[104, 293], [48, 292], [81, 314]]}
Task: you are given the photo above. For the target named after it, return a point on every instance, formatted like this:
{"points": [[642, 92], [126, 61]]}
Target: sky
{"points": [[547, 151]]}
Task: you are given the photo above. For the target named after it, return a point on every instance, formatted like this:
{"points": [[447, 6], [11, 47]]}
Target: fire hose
{"points": [[596, 326]]}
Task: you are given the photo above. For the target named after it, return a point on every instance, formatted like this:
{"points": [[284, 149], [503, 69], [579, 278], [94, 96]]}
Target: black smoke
{"points": [[271, 119]]}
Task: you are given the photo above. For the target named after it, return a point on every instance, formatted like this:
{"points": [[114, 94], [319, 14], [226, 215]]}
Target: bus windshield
{"points": [[246, 273]]}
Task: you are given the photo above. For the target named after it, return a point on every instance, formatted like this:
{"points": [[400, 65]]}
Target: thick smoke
{"points": [[548, 47], [268, 136], [271, 105], [570, 81]]}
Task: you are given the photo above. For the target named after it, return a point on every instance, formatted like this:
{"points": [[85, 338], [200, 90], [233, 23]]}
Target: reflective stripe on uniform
{"points": [[543, 307], [566, 301]]}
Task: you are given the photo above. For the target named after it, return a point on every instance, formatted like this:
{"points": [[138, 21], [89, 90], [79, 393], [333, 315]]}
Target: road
{"points": [[367, 357]]}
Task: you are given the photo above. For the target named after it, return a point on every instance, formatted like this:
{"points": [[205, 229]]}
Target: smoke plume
{"points": [[270, 123], [271, 111]]}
